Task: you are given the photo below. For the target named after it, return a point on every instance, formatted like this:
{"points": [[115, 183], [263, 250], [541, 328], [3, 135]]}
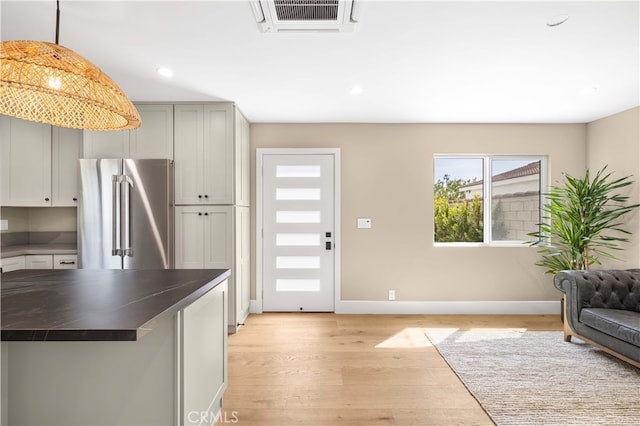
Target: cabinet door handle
{"points": [[75, 199], [46, 199], [67, 262], [199, 214], [206, 214], [199, 196], [206, 196]]}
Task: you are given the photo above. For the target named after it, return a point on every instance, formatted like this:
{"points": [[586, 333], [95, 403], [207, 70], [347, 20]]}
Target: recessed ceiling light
{"points": [[356, 90], [588, 90], [557, 20], [164, 71]]}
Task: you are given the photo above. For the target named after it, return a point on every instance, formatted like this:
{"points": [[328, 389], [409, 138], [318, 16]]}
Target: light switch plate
{"points": [[4, 224], [364, 223]]}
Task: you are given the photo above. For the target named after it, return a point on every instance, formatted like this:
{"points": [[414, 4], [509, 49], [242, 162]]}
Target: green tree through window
{"points": [[456, 219]]}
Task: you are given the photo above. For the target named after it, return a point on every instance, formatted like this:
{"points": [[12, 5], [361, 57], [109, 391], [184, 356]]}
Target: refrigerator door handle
{"points": [[123, 217], [128, 183], [115, 182]]}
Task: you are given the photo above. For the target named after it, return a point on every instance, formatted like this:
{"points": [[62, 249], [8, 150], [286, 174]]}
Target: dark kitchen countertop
{"points": [[96, 305]]}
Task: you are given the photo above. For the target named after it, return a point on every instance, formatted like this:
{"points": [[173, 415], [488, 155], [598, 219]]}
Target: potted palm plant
{"points": [[582, 221]]}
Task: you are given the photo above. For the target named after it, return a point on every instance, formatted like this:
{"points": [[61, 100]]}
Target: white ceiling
{"points": [[416, 61]]}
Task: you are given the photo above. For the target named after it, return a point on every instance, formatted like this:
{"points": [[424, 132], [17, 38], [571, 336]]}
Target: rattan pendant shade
{"points": [[49, 83]]}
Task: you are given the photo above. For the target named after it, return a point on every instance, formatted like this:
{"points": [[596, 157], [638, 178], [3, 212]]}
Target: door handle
{"points": [[128, 183], [123, 217], [114, 215], [122, 221]]}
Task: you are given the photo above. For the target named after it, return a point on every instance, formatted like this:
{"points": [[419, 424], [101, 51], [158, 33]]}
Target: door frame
{"points": [[260, 153]]}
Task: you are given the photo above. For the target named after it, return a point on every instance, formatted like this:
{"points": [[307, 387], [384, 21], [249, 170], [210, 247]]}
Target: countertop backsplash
{"points": [[24, 238], [40, 219], [36, 228]]}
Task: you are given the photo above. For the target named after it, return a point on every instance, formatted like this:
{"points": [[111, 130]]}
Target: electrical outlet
{"points": [[392, 295]]}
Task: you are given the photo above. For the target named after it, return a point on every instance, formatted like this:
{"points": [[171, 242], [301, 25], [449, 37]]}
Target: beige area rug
{"points": [[535, 378]]}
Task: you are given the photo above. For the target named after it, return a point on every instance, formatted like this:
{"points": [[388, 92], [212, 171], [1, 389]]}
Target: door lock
{"points": [[327, 244]]}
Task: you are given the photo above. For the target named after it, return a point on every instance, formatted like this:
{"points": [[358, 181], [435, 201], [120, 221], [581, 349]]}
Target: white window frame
{"points": [[487, 195]]}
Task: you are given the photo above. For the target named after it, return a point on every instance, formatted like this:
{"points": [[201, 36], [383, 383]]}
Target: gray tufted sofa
{"points": [[603, 309]]}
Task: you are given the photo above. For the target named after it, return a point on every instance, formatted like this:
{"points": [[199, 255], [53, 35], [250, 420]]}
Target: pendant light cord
{"points": [[57, 20]]}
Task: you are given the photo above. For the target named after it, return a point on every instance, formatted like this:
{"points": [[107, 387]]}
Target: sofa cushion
{"points": [[613, 289], [624, 325]]}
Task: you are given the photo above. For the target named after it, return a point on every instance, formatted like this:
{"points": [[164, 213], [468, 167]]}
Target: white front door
{"points": [[298, 232]]}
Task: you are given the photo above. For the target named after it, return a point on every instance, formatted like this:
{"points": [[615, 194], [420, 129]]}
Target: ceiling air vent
{"points": [[305, 15]]}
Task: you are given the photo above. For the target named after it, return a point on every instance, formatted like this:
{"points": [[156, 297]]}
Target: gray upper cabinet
{"points": [[189, 154], [106, 144], [241, 160], [153, 139], [66, 149], [204, 153], [38, 164], [26, 162]]}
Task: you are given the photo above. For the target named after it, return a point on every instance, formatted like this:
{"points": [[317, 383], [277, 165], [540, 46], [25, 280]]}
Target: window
{"points": [[462, 183]]}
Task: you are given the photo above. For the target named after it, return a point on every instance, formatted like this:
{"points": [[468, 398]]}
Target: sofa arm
{"points": [[566, 282]]}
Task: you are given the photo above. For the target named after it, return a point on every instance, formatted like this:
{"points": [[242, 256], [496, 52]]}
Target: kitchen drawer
{"points": [[65, 261], [39, 261], [12, 263]]}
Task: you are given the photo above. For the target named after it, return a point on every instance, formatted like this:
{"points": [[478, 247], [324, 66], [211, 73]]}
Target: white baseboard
{"points": [[444, 308], [543, 307]]}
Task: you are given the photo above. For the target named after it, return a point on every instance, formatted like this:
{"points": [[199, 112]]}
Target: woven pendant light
{"points": [[51, 84]]}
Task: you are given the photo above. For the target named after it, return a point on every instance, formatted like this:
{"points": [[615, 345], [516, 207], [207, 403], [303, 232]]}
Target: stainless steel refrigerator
{"points": [[125, 214]]}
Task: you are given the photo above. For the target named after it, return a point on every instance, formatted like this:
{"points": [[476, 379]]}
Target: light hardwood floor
{"points": [[328, 369]]}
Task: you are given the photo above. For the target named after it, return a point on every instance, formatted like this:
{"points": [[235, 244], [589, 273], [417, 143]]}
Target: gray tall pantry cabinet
{"points": [[211, 152], [210, 146]]}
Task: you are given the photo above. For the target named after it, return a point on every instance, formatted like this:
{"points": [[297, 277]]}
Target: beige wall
{"points": [[387, 175], [61, 219], [40, 219], [18, 218], [615, 141]]}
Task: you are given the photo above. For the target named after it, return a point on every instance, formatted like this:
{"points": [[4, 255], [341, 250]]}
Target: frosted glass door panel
{"points": [[297, 193], [297, 262], [298, 240], [297, 217], [298, 171]]}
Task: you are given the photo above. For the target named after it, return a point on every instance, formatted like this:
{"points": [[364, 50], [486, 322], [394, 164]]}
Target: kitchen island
{"points": [[113, 347]]}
